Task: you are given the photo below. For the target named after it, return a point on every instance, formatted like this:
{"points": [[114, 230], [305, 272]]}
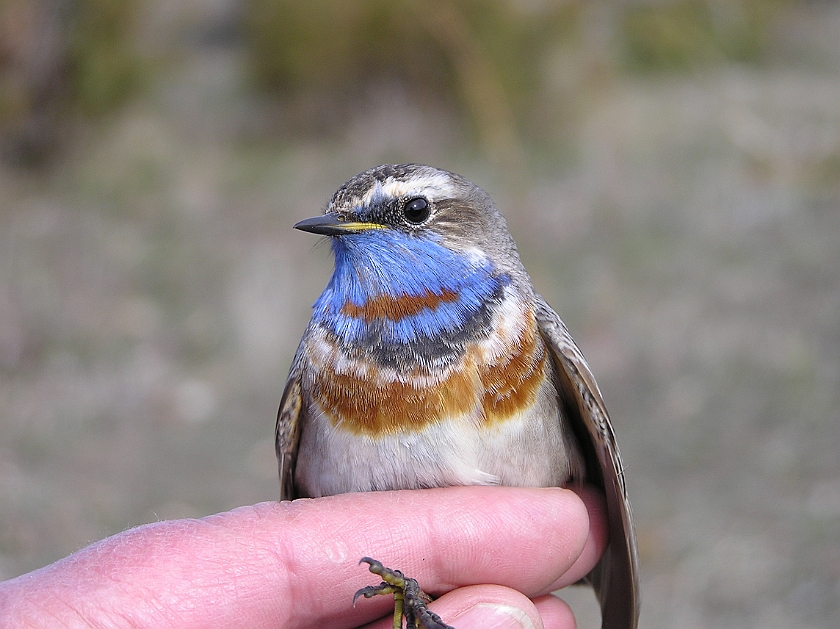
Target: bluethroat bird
{"points": [[431, 361]]}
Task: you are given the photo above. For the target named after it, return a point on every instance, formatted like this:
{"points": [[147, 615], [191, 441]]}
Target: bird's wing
{"points": [[616, 577], [287, 429]]}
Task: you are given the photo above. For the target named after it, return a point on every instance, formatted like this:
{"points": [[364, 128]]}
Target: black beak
{"points": [[332, 225]]}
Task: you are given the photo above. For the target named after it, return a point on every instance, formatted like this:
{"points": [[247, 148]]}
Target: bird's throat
{"points": [[407, 295]]}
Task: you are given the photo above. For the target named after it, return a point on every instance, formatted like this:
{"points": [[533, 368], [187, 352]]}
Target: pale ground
{"points": [[152, 293]]}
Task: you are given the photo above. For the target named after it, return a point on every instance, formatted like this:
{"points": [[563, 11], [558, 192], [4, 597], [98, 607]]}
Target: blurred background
{"points": [[670, 170]]}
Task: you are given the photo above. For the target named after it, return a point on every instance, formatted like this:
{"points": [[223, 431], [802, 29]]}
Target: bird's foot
{"points": [[410, 601]]}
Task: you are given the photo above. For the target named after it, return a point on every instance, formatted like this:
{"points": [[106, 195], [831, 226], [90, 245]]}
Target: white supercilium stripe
{"points": [[433, 187]]}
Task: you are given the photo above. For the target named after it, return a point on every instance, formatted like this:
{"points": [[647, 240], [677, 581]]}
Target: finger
{"points": [[294, 564], [522, 538], [483, 607], [595, 544], [555, 612], [496, 607]]}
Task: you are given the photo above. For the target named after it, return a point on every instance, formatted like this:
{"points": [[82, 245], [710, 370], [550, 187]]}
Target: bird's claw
{"points": [[410, 601]]}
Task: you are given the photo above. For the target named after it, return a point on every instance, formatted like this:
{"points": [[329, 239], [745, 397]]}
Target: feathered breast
{"points": [[492, 379]]}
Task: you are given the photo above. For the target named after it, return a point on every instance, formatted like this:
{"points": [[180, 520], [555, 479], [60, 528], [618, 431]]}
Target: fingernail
{"points": [[495, 616]]}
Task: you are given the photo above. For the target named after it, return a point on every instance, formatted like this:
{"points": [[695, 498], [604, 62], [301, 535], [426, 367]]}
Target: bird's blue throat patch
{"points": [[393, 288]]}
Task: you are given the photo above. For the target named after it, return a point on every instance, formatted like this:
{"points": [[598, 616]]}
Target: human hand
{"points": [[294, 564]]}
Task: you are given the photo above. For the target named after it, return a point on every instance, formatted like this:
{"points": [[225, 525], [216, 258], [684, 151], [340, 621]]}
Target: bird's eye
{"points": [[417, 210]]}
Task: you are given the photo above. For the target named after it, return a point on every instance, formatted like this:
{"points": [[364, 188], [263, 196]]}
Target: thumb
{"points": [[499, 607]]}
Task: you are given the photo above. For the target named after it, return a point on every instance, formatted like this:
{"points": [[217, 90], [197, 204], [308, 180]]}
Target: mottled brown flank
{"points": [[511, 385], [396, 308], [502, 389]]}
